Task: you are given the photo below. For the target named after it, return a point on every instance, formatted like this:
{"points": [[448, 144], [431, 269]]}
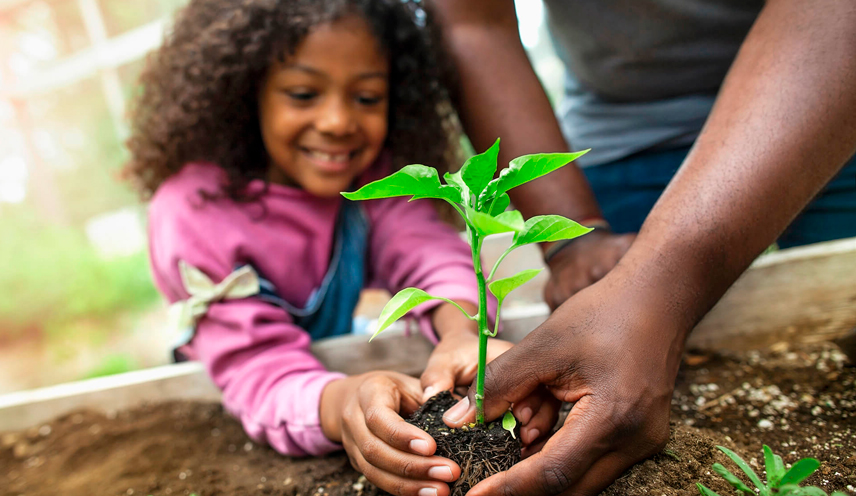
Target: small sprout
{"points": [[481, 198], [672, 454], [509, 423], [780, 482]]}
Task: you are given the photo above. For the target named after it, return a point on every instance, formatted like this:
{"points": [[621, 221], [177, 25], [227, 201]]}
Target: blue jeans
{"points": [[628, 188]]}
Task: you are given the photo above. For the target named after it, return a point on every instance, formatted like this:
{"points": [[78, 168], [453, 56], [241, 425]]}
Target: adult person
{"points": [[782, 126]]}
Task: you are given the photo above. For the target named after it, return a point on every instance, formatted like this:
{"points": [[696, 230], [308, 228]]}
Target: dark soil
{"points": [[480, 451], [801, 402]]}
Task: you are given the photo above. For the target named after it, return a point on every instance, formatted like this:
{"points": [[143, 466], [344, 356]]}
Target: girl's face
{"points": [[323, 112]]}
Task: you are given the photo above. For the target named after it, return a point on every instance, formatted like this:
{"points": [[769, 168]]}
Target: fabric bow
{"points": [[241, 283]]}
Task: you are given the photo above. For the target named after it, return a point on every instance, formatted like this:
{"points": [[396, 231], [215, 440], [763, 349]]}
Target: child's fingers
{"points": [[394, 483], [436, 378], [411, 394], [404, 465], [541, 423], [537, 413], [525, 409], [398, 471], [389, 428], [380, 406]]}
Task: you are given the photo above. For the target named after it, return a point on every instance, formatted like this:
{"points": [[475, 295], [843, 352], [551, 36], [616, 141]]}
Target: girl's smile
{"points": [[323, 111], [330, 161]]}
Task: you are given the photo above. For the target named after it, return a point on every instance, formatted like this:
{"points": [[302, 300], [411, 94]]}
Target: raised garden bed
{"points": [[801, 401], [797, 395]]}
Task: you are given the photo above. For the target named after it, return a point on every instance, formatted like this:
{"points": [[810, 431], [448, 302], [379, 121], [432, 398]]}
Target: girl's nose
{"points": [[336, 118]]}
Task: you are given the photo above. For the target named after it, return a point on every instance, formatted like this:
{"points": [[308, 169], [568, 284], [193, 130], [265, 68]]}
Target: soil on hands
{"points": [[801, 402]]}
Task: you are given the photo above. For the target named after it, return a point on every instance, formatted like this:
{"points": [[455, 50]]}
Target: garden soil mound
{"points": [[801, 402]]}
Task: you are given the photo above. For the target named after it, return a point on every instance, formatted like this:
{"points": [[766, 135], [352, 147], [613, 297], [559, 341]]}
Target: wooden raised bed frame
{"points": [[805, 294]]}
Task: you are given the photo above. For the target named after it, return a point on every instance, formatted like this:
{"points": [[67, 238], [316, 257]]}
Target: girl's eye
{"points": [[301, 96], [369, 100]]}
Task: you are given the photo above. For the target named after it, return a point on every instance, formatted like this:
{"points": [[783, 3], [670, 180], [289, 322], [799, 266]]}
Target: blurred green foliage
{"points": [[111, 365], [54, 277]]}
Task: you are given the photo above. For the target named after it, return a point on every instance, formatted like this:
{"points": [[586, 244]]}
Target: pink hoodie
{"points": [[252, 349]]}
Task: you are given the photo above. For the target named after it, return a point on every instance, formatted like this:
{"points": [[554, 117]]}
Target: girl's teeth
{"points": [[327, 157]]}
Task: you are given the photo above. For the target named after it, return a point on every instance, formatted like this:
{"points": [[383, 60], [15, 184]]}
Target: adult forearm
{"points": [[499, 95], [783, 124]]}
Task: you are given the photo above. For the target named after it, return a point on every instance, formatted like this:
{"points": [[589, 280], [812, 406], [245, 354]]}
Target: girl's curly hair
{"points": [[199, 90]]}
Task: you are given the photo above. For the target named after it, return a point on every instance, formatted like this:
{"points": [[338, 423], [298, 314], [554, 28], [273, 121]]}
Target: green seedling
{"points": [[509, 423], [780, 481], [482, 200]]}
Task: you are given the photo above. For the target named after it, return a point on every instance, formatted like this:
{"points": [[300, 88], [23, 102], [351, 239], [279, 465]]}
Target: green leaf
{"points": [[744, 467], [479, 169], [413, 180], [732, 479], [789, 490], [501, 287], [455, 181], [513, 218], [509, 423], [500, 204], [774, 466], [523, 169], [838, 493], [545, 228], [779, 467], [485, 225], [800, 471], [404, 301], [794, 490], [705, 491]]}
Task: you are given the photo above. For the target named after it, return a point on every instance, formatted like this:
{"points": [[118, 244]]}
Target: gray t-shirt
{"points": [[642, 74]]}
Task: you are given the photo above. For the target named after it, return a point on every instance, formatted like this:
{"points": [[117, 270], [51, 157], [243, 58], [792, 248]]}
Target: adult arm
{"points": [[500, 95], [784, 123]]}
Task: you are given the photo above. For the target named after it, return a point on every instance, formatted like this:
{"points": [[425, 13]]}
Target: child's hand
{"points": [[537, 415], [455, 360], [362, 412]]}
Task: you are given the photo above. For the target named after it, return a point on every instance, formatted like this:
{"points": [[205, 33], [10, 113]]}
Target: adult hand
{"points": [[363, 413], [584, 262], [613, 350]]}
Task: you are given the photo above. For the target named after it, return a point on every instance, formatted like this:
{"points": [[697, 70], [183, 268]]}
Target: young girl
{"points": [[254, 116]]}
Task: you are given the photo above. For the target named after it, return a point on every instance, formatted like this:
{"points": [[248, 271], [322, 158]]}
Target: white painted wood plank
{"points": [[180, 381], [801, 294]]}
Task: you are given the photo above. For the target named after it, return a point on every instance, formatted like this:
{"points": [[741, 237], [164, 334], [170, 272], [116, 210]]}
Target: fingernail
{"points": [[457, 412], [427, 491], [421, 446], [532, 435], [429, 393], [441, 472], [525, 415]]}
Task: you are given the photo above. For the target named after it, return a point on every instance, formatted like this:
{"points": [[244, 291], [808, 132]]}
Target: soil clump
{"points": [[480, 451]]}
